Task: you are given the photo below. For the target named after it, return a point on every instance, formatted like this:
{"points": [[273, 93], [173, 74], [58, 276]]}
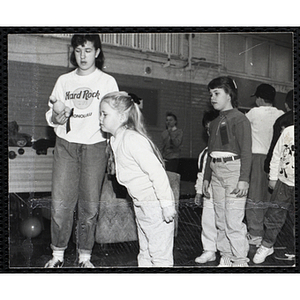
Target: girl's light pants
{"points": [[156, 237], [230, 211]]}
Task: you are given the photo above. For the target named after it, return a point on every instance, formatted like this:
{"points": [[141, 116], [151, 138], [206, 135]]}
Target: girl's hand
{"points": [[169, 213], [272, 184], [60, 118], [205, 188], [198, 199], [67, 111], [241, 189]]}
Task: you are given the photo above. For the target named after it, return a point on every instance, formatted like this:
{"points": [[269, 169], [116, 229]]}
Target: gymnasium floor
{"points": [[34, 253]]}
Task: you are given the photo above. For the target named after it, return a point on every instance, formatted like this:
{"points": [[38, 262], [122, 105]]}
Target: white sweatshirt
{"points": [[139, 170], [282, 165], [83, 93], [262, 120]]}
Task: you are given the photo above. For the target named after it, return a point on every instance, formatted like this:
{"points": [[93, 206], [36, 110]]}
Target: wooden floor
{"points": [[34, 253]]}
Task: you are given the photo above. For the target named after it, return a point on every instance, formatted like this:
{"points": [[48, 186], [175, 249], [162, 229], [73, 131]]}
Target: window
{"points": [[282, 65], [234, 50], [259, 56], [154, 42]]}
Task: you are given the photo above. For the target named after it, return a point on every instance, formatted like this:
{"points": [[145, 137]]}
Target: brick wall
{"points": [[187, 101], [29, 87], [30, 84]]}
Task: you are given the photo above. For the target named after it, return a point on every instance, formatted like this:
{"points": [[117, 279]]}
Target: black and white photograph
{"points": [[158, 150]]}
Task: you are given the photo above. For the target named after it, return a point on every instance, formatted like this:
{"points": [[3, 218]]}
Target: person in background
{"points": [[282, 182], [282, 122], [208, 224], [228, 171], [140, 168], [79, 155], [262, 119], [172, 139]]}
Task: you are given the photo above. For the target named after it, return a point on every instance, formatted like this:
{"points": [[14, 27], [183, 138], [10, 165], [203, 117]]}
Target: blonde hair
{"points": [[124, 104]]}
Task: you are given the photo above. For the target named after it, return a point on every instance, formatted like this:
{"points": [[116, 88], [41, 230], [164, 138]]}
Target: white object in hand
{"points": [[67, 111], [58, 106]]}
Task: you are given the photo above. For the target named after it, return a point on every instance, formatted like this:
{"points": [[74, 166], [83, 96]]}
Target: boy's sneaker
{"points": [[54, 263], [261, 254], [286, 256], [86, 264], [240, 265], [225, 262], [254, 240], [205, 257]]}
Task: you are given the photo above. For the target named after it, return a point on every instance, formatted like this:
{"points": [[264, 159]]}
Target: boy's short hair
{"points": [[80, 40], [209, 116], [266, 92], [228, 85], [170, 114], [289, 99]]}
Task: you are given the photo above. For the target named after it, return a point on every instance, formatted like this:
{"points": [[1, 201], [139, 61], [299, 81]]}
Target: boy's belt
{"points": [[225, 159]]}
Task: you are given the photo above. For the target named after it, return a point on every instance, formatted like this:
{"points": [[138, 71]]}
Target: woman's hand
{"points": [[62, 117]]}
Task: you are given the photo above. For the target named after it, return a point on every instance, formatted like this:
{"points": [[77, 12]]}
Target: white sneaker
{"points": [[54, 263], [240, 265], [86, 264], [205, 257], [225, 262], [261, 254], [287, 256]]}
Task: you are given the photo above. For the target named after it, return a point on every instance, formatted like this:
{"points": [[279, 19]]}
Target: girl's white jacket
{"points": [[139, 170]]}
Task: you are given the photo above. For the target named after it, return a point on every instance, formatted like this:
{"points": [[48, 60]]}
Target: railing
{"points": [[169, 43]]}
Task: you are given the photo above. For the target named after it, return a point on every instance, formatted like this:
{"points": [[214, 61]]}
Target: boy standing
{"points": [[282, 122], [282, 180], [262, 119]]}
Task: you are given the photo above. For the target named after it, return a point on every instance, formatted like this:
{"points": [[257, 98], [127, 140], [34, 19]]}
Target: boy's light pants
{"points": [[230, 211], [156, 237]]}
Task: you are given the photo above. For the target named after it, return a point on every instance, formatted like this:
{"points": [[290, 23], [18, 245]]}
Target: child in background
{"points": [[140, 168], [228, 170], [209, 230], [282, 122], [262, 119], [282, 182], [79, 156], [172, 139]]}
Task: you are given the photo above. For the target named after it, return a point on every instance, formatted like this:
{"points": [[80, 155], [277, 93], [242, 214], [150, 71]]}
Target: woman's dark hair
{"points": [[80, 40], [228, 85]]}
